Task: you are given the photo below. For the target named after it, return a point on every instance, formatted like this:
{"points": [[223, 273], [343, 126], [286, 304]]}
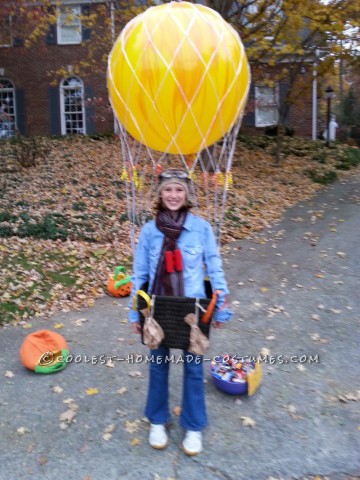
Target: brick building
{"points": [[35, 103]]}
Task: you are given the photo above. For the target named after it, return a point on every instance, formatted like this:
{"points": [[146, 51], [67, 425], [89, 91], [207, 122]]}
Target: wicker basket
{"points": [[170, 312]]}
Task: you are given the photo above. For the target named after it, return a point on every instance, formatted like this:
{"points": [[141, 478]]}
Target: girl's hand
{"points": [[136, 327]]}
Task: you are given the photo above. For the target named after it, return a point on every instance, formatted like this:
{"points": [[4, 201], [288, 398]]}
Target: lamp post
{"points": [[329, 94]]}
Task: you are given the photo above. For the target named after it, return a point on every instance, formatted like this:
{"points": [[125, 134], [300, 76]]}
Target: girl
{"points": [[176, 228]]}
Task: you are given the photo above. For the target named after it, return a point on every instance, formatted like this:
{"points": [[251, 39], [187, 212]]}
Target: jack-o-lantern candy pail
{"points": [[44, 351], [119, 284]]}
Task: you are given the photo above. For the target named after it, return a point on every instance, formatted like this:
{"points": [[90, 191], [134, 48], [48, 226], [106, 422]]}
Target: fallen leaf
{"points": [[42, 460], [109, 428], [315, 337], [74, 406], [315, 317], [135, 374], [58, 325], [9, 374], [68, 416], [131, 427], [355, 397], [301, 368], [110, 363], [135, 441], [292, 411], [122, 390], [121, 413], [341, 254], [91, 391], [107, 437], [80, 322], [21, 431], [265, 351], [248, 422], [57, 389]]}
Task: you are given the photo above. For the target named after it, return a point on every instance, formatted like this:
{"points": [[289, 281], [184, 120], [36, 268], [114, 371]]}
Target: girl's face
{"points": [[173, 196]]}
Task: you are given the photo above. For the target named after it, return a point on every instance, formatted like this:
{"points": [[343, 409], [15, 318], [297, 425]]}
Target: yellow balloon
{"points": [[178, 77]]}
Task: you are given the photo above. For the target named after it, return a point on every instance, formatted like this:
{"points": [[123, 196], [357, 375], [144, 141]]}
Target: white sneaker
{"points": [[192, 444], [158, 437]]}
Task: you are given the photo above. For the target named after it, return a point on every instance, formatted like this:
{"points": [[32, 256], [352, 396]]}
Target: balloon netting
{"points": [[209, 172]]}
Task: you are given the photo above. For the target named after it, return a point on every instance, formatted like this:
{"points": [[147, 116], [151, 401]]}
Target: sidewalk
{"points": [[294, 291]]}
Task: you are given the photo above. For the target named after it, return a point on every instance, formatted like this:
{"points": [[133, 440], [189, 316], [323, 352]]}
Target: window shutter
{"points": [[249, 117], [86, 32], [284, 109], [20, 111], [54, 104], [51, 34], [89, 111]]}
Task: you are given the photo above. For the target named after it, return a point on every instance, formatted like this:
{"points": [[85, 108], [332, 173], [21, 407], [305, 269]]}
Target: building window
{"points": [[7, 109], [266, 105], [72, 106], [5, 31], [69, 25]]}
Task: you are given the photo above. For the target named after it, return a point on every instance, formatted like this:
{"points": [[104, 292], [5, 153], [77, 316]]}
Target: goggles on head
{"points": [[174, 174]]}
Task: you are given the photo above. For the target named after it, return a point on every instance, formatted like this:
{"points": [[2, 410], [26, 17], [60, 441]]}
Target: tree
{"points": [[294, 35], [283, 38]]}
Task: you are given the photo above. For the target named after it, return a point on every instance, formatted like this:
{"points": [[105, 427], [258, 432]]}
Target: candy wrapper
{"points": [[236, 375]]}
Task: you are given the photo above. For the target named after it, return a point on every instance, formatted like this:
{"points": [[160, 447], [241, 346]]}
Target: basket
{"points": [[170, 312], [229, 387], [246, 388]]}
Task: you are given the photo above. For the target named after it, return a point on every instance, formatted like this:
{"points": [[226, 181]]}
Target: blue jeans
{"points": [[193, 409]]}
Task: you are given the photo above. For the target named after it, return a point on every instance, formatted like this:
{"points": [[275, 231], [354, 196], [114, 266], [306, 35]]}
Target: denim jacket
{"points": [[200, 257]]}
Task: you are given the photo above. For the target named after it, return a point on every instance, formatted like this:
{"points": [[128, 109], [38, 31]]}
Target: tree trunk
{"points": [[278, 146]]}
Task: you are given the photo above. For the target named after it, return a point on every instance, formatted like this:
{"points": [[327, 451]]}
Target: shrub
{"points": [[348, 158], [5, 216], [27, 150], [79, 206], [322, 177], [319, 156], [351, 156]]}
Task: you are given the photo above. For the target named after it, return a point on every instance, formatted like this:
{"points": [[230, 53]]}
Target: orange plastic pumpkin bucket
{"points": [[119, 284], [44, 351]]}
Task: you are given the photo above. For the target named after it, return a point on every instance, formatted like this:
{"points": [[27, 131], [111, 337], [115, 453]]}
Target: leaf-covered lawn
{"points": [[63, 225]]}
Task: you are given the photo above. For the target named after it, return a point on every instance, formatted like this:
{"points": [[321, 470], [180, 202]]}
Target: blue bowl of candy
{"points": [[230, 373]]}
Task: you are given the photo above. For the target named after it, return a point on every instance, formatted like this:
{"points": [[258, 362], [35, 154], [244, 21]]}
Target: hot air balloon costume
{"points": [[178, 81]]}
